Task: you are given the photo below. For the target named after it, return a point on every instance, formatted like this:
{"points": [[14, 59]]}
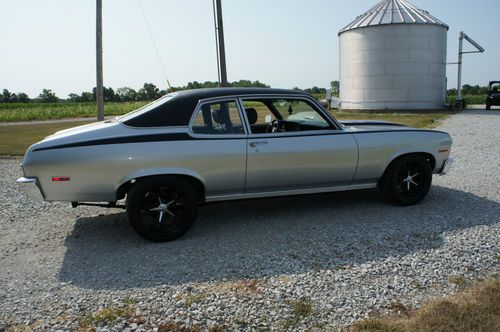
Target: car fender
{"points": [[410, 150], [160, 171]]}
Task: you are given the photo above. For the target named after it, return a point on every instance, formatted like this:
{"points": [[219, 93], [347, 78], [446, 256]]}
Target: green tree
{"points": [[315, 90], [23, 98], [108, 94], [47, 96], [126, 94], [195, 85], [87, 97], [149, 91], [6, 96], [335, 86], [74, 97]]}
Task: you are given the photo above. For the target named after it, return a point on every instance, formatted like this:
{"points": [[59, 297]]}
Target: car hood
{"points": [[373, 125]]}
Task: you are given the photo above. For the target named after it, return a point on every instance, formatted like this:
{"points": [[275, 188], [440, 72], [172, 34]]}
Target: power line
{"points": [[154, 44]]}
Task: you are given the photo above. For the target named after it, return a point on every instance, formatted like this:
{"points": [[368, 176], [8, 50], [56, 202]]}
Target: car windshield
{"points": [[147, 108]]}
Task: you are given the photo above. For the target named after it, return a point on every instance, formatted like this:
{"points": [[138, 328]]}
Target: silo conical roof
{"points": [[393, 12]]}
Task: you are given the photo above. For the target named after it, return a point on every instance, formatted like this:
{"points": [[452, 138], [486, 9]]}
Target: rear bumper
{"points": [[31, 188], [446, 166]]}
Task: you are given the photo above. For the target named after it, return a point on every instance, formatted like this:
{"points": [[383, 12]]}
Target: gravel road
{"points": [[321, 261]]}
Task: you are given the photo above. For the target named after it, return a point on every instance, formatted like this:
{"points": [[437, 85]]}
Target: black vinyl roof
{"points": [[178, 110], [220, 92]]}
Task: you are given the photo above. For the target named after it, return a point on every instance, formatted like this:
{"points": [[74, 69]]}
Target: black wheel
{"points": [[488, 106], [161, 208], [407, 180]]}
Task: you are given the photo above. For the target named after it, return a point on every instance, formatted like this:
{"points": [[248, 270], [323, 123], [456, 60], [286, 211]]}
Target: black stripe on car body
{"points": [[170, 137]]}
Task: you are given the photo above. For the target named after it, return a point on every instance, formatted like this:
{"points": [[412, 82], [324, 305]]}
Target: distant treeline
{"points": [[470, 90], [149, 91]]}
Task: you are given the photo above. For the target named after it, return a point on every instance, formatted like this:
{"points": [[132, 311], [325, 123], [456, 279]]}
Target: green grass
{"points": [[106, 316], [477, 309], [15, 139], [63, 110], [300, 308], [469, 100]]}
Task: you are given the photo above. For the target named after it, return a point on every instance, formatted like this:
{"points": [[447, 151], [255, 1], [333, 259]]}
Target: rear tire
{"points": [[162, 208], [407, 180]]}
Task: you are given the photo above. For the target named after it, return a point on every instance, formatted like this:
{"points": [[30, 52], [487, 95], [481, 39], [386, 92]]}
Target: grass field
{"points": [[477, 309], [11, 112], [469, 100], [63, 110], [425, 120], [15, 139]]}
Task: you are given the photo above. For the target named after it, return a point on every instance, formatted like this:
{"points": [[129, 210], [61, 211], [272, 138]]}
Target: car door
{"points": [[305, 151], [218, 149]]}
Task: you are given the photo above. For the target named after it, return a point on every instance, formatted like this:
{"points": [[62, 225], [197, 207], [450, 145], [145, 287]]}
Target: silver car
{"points": [[223, 144]]}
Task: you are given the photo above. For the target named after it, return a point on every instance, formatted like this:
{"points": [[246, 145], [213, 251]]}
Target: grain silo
{"points": [[393, 57]]}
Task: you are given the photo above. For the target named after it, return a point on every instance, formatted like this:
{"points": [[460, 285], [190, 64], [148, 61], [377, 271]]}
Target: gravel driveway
{"points": [[320, 261]]}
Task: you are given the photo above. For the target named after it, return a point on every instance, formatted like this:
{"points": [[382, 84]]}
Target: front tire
{"points": [[407, 180], [161, 209]]}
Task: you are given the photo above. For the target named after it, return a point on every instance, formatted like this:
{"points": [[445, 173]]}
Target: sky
{"points": [[285, 43]]}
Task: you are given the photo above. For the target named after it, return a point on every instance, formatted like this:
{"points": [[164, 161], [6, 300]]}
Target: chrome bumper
{"points": [[31, 188], [446, 166]]}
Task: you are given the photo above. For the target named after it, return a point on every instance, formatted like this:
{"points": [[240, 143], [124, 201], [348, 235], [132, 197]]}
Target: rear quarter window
{"points": [[174, 112]]}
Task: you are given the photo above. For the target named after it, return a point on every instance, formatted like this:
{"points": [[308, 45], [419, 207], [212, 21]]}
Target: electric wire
{"points": [[154, 43]]}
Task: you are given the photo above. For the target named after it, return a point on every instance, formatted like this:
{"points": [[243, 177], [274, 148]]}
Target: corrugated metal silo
{"points": [[393, 57]]}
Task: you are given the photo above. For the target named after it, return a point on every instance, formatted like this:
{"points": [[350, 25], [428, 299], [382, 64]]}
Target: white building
{"points": [[393, 57]]}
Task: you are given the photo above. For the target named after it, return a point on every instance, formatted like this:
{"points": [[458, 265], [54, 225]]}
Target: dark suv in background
{"points": [[493, 98]]}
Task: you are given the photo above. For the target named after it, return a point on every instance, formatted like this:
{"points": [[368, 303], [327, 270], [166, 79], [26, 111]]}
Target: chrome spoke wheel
{"points": [[409, 179], [162, 209]]}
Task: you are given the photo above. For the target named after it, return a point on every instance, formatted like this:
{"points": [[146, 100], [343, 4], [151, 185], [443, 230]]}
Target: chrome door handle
{"points": [[255, 144]]}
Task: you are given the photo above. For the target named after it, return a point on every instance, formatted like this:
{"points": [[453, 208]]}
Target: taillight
{"points": [[60, 178]]}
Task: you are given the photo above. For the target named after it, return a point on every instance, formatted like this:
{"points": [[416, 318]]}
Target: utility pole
{"points": [[220, 42], [458, 99], [459, 102], [99, 89]]}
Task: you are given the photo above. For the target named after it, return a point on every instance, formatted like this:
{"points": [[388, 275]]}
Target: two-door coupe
{"points": [[208, 145]]}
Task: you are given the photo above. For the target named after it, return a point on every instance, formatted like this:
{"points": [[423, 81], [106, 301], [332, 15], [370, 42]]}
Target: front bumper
{"points": [[446, 166], [31, 188]]}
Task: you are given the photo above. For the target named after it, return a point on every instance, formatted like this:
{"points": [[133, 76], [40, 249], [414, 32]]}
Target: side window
{"points": [[283, 115], [220, 118], [258, 113]]}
